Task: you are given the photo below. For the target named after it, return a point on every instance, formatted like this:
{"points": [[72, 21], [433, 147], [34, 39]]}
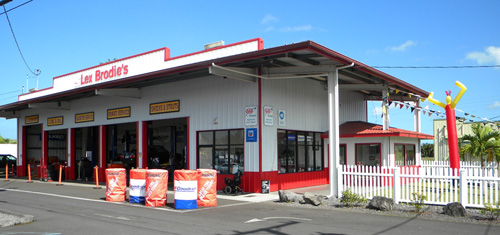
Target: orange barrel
{"points": [[156, 187], [137, 186], [207, 187], [116, 184], [185, 189]]}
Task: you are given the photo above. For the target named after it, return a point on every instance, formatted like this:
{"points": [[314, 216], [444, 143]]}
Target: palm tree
{"points": [[484, 143]]}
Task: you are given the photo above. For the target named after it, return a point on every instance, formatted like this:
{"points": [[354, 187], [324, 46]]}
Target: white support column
{"points": [[333, 124], [139, 144], [416, 118], [68, 149], [385, 100]]}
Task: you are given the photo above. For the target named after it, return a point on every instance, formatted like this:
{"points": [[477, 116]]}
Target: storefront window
{"points": [[299, 151], [342, 157], [404, 154], [368, 154], [221, 150]]}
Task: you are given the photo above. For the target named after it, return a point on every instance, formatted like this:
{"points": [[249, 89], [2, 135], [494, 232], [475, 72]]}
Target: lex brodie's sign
{"points": [[55, 121], [31, 119], [84, 117], [119, 113], [164, 107]]}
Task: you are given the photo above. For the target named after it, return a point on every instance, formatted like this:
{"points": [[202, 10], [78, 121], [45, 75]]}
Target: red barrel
{"points": [[156, 187], [207, 187], [116, 184]]}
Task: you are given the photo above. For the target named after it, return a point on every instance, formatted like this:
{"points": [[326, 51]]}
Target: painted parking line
{"points": [[242, 199]]}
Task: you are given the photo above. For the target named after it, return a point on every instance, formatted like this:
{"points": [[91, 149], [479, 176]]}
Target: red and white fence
{"points": [[473, 187]]}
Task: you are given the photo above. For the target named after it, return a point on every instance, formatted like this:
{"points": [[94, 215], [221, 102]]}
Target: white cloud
{"points": [[495, 105], [377, 111], [403, 46], [297, 28], [491, 55], [268, 29], [269, 19]]}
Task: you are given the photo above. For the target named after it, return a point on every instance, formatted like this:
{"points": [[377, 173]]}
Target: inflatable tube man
{"points": [[451, 123]]}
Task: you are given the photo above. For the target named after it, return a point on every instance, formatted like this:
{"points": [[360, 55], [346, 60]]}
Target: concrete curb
{"points": [[9, 218]]}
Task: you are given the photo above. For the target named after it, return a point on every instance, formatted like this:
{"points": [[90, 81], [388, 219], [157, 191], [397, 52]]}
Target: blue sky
{"points": [[59, 37]]}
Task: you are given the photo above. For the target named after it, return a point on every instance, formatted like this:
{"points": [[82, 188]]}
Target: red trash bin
{"points": [[116, 184], [156, 187]]}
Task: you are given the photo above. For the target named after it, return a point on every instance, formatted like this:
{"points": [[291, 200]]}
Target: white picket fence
{"points": [[463, 164], [473, 187]]}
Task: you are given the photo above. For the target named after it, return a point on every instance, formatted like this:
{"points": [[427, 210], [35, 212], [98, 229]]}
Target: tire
{"points": [[228, 190]]}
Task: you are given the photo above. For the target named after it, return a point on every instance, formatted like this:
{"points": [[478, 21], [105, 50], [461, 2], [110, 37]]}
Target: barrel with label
{"points": [[116, 184], [185, 189], [207, 187], [156, 187], [137, 186]]}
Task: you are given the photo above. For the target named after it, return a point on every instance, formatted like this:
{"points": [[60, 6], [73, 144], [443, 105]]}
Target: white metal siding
{"points": [[306, 105], [201, 99], [352, 107]]}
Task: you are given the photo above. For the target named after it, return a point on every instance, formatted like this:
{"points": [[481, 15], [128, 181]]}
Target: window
{"points": [[299, 151], [221, 150], [368, 154], [342, 155], [404, 154]]}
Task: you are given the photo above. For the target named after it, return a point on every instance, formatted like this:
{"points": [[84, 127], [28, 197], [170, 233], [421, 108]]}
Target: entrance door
{"points": [[166, 144], [86, 152], [33, 149]]}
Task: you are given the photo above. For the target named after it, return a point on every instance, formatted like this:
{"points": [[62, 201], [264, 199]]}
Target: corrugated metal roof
{"points": [[356, 129]]}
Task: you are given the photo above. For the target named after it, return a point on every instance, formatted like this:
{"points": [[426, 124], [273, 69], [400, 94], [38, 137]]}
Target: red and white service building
{"points": [[266, 112]]}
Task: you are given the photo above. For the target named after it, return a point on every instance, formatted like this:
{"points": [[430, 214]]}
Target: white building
{"points": [[231, 107]]}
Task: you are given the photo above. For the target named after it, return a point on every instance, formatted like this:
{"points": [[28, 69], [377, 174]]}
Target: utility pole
{"points": [[37, 72], [3, 2]]}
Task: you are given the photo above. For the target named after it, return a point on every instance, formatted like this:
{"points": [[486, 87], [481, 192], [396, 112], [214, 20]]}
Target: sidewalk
{"points": [[246, 197]]}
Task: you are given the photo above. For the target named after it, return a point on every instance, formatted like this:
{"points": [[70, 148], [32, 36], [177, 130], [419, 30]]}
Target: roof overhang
{"points": [[305, 59]]}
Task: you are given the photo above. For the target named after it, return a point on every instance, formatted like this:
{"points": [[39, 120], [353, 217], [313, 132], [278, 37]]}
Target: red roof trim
{"points": [[359, 129]]}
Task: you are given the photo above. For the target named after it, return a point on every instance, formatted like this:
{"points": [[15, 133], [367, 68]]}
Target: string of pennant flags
{"points": [[426, 110]]}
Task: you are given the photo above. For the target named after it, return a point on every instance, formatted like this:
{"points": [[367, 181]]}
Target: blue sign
{"points": [[251, 134]]}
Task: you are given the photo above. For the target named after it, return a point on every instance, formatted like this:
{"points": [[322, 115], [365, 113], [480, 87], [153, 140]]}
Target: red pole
{"points": [[13, 175], [60, 175], [96, 178], [29, 174], [6, 172]]}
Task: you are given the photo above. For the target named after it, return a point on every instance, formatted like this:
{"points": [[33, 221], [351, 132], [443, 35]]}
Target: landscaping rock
{"points": [[454, 209], [381, 203], [287, 196], [312, 199]]}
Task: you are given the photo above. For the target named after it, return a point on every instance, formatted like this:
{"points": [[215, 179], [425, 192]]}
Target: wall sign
{"points": [[119, 113], [31, 119], [251, 116], [268, 116], [55, 121], [165, 107], [281, 118], [251, 135], [84, 117]]}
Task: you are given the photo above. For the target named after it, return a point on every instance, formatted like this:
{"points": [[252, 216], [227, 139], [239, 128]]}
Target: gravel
{"points": [[9, 218], [402, 210]]}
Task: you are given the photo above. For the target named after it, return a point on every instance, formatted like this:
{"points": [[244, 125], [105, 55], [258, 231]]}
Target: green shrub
{"points": [[418, 201], [350, 199], [492, 211]]}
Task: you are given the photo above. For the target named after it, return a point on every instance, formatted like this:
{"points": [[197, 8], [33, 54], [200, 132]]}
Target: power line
{"points": [[10, 92], [16, 7], [17, 44]]}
